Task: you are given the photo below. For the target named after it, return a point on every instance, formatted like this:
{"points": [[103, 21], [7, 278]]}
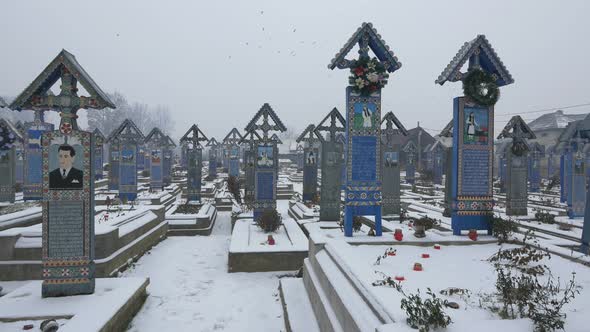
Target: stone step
{"points": [[298, 313]]}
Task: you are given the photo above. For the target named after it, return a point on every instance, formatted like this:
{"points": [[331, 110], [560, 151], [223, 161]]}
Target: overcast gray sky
{"points": [[215, 63]]}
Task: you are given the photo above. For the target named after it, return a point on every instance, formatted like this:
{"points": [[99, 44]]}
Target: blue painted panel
{"points": [[475, 172], [364, 158], [472, 201], [234, 167], [265, 186]]}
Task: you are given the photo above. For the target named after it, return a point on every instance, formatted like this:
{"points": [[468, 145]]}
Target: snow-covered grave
{"points": [[339, 278], [250, 250], [112, 306], [121, 236], [298, 211], [191, 219], [20, 215]]}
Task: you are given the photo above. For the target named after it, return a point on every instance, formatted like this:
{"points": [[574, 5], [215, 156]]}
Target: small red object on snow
{"points": [[398, 235], [472, 234], [437, 246], [425, 256], [271, 240], [28, 327], [391, 253], [400, 278], [417, 267]]}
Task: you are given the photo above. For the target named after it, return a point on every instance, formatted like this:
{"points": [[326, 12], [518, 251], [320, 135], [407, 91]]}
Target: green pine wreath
{"points": [[481, 87]]}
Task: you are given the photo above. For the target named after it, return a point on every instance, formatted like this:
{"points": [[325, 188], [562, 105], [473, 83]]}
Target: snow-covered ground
{"points": [[191, 290]]}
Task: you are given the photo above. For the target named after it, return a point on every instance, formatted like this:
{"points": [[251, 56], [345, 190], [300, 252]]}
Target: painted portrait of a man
{"points": [[66, 176]]}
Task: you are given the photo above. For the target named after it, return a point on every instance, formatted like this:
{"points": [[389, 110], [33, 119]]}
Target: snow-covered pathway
{"points": [[190, 289]]}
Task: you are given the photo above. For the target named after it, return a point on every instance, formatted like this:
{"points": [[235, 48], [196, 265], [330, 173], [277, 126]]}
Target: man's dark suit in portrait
{"points": [[66, 176]]}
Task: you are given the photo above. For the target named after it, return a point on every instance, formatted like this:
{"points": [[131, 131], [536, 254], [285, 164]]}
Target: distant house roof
{"points": [[555, 120], [425, 137]]}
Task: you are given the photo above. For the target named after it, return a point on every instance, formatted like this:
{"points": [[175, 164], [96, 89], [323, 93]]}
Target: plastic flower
{"points": [[373, 77], [360, 83], [358, 70], [371, 65]]}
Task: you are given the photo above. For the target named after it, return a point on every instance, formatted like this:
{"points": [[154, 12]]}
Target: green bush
{"points": [[502, 228], [269, 221], [425, 314]]}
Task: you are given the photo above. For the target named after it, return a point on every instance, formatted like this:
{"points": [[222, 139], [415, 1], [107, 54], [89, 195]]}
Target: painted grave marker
{"points": [[213, 149], [516, 167], [363, 118], [390, 163], [124, 143], [473, 139], [310, 163], [68, 177], [33, 177], [332, 162], [231, 144], [194, 154], [155, 143], [99, 141], [265, 158], [535, 154], [10, 137], [410, 149]]}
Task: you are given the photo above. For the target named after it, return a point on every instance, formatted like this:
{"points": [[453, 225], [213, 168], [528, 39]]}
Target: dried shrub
{"points": [[233, 186], [502, 228], [269, 221], [145, 173], [544, 217]]}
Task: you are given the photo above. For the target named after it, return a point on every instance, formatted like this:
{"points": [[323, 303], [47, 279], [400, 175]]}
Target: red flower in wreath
{"points": [[359, 71]]}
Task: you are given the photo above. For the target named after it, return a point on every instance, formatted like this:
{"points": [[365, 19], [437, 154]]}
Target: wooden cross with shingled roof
{"points": [[311, 136], [261, 124], [389, 132], [232, 138], [333, 129], [194, 136], [366, 37], [127, 131], [519, 131], [37, 95]]}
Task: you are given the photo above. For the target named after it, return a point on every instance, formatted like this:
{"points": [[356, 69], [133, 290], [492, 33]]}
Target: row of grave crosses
{"points": [[68, 154]]}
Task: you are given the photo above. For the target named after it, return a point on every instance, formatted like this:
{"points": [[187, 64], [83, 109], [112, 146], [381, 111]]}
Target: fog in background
{"points": [[214, 63]]}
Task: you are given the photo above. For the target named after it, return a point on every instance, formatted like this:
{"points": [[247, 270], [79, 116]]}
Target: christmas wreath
{"points": [[367, 75], [481, 87]]}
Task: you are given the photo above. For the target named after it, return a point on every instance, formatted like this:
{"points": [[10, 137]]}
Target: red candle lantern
{"points": [[417, 267], [271, 240], [400, 278], [398, 235], [437, 246], [425, 256], [472, 234]]}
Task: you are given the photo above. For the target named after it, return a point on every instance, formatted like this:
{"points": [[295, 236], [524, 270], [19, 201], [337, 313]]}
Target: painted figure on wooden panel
{"points": [[390, 159], [310, 160], [364, 116], [265, 156], [475, 126], [66, 176]]}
